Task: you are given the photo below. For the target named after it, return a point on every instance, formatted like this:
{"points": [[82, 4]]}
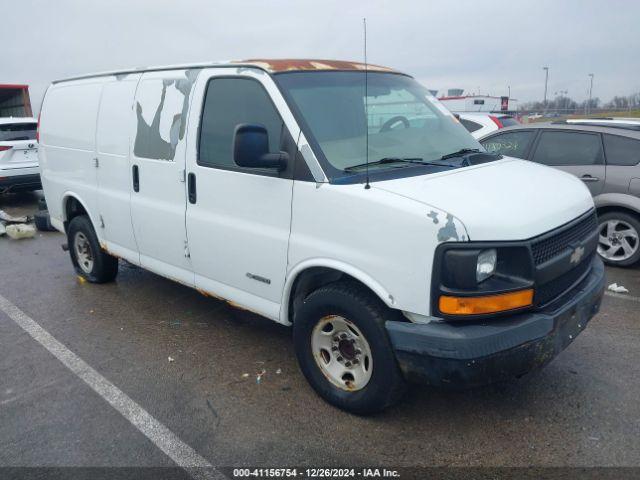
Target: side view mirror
{"points": [[251, 148]]}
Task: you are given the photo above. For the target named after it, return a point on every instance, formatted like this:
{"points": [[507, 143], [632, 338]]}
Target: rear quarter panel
{"points": [[67, 145]]}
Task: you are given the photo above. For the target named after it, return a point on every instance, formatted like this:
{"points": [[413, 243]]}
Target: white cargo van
{"points": [[373, 223]]}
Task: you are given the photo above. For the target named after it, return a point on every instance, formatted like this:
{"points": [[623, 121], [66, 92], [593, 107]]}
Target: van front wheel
{"points": [[343, 348], [89, 260]]}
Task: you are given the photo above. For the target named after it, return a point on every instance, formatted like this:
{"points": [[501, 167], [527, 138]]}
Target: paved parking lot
{"points": [[582, 410]]}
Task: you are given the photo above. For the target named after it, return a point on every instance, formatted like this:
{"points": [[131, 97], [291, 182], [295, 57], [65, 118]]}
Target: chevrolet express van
{"points": [[348, 203]]}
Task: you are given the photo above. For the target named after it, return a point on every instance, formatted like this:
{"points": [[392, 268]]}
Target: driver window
{"points": [[228, 103]]}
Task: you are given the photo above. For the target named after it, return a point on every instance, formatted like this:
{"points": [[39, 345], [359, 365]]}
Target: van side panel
{"points": [[67, 145], [115, 122]]}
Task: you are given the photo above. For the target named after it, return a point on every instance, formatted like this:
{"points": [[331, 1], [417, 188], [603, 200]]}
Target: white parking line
{"points": [[178, 451], [622, 296]]}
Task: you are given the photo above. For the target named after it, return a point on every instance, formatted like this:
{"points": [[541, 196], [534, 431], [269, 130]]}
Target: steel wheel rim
{"points": [[617, 240], [84, 256], [342, 353]]}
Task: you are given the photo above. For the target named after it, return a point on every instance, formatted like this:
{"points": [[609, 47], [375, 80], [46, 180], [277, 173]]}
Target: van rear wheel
{"points": [[344, 351], [89, 260]]}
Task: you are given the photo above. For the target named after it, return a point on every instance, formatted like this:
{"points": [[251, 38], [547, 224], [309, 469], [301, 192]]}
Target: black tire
{"points": [[631, 220], [355, 303], [43, 222], [104, 266], [42, 204]]}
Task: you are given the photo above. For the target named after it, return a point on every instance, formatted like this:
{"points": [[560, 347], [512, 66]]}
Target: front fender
{"points": [[332, 264]]}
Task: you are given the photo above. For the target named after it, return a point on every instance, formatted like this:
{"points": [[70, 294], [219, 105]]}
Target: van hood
{"points": [[508, 199]]}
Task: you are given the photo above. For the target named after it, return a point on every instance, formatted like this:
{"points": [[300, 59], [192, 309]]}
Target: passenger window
{"points": [[228, 103], [568, 148], [621, 150], [469, 125], [513, 144]]}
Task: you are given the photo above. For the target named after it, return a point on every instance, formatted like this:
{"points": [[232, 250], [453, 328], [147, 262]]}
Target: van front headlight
{"points": [[486, 265], [478, 278]]}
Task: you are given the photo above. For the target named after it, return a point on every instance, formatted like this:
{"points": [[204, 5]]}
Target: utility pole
{"points": [[590, 91], [546, 81]]}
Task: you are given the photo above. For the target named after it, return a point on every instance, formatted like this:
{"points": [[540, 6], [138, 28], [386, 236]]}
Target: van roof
{"points": [[269, 65]]}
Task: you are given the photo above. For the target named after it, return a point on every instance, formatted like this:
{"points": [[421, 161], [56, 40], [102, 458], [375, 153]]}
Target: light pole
{"points": [[590, 91], [546, 80]]}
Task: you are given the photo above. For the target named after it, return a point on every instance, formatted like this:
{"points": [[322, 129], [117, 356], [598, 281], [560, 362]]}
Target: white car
{"points": [[18, 155], [481, 124], [421, 257]]}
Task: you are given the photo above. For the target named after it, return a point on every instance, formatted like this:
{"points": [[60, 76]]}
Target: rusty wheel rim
{"points": [[342, 353]]}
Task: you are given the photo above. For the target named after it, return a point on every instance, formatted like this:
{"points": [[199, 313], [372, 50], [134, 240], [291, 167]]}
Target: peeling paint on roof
{"points": [[288, 65], [267, 65]]}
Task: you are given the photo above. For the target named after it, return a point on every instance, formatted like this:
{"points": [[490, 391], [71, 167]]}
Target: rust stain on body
{"points": [[228, 302]]}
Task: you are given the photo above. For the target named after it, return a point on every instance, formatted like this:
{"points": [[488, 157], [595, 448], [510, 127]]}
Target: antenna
{"points": [[366, 105]]}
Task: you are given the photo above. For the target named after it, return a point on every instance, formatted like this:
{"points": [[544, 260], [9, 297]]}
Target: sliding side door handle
{"points": [[135, 173]]}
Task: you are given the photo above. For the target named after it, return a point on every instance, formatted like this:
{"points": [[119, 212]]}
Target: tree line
{"points": [[566, 104]]}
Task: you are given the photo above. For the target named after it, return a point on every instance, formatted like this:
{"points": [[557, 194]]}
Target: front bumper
{"points": [[15, 183], [464, 355]]}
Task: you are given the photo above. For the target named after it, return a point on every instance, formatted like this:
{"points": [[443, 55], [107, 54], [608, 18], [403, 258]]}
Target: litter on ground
{"points": [[5, 217], [171, 359], [19, 231], [614, 287], [259, 376]]}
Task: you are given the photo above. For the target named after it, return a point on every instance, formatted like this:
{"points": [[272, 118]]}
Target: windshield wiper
{"points": [[460, 153], [384, 161], [414, 161]]}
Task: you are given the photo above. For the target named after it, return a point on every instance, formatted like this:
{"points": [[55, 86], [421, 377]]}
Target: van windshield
{"points": [[404, 121]]}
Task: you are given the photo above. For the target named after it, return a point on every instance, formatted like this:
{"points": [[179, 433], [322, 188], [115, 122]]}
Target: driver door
{"points": [[238, 219]]}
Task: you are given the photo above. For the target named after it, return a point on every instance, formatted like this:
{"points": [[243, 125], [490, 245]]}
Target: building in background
{"points": [[456, 100], [15, 101]]}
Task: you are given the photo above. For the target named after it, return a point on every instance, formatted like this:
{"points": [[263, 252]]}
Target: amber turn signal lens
{"points": [[485, 304]]}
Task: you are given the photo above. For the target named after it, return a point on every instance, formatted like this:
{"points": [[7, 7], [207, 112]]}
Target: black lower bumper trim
{"points": [[20, 183], [466, 355]]}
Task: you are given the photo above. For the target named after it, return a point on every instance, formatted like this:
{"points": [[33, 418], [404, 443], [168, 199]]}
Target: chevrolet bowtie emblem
{"points": [[576, 256]]}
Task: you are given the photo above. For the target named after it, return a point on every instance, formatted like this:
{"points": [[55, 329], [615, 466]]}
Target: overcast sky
{"points": [[472, 44]]}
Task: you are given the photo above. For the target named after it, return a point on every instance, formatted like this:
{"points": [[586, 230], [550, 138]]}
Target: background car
{"points": [[481, 124], [18, 155], [604, 121], [604, 156]]}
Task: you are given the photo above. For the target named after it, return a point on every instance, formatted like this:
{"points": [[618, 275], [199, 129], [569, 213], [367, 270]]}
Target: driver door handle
{"points": [[589, 178], [191, 188]]}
